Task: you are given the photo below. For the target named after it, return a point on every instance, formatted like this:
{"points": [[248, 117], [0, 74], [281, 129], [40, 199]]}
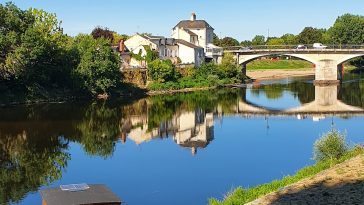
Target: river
{"points": [[174, 149]]}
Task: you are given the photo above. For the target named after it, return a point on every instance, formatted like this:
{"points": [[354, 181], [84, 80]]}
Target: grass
{"points": [[241, 196], [189, 82], [279, 64]]}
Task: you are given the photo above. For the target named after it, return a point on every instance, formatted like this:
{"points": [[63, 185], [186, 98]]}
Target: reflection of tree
{"points": [[28, 161], [352, 93], [98, 130], [304, 91]]}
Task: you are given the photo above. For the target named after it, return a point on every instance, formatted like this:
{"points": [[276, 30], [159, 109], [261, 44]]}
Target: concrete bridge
{"points": [[328, 61], [325, 102]]}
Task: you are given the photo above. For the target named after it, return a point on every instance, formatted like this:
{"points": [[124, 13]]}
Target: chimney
{"points": [[193, 17], [121, 46]]}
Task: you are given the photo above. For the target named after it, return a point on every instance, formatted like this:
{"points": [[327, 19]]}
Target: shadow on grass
{"points": [[324, 193]]}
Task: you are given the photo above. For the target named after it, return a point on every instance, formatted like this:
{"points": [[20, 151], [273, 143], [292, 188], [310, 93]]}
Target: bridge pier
{"points": [[243, 69], [326, 95], [326, 73]]}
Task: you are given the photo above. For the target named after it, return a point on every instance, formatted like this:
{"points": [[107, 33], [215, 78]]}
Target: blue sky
{"points": [[241, 19]]}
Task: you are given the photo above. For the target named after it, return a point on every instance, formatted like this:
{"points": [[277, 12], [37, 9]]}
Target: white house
{"points": [[191, 42], [189, 53], [167, 48], [199, 33]]}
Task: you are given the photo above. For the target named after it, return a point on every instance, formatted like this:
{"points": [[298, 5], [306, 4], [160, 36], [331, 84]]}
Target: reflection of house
{"points": [[194, 130], [190, 129]]}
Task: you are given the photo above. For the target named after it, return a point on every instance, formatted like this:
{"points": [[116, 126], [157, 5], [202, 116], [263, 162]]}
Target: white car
{"points": [[319, 46], [301, 47]]}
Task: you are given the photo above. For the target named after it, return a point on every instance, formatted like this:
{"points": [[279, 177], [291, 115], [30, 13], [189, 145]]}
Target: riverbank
{"points": [[279, 73], [324, 180], [341, 184]]}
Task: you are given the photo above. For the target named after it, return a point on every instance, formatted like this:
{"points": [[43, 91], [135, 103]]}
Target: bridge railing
{"points": [[291, 47]]}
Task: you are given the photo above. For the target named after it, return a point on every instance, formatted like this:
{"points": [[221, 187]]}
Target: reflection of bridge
{"points": [[325, 102], [328, 62]]}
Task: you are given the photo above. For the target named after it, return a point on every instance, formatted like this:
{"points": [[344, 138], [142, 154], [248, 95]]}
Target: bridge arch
{"points": [[249, 58], [349, 57]]}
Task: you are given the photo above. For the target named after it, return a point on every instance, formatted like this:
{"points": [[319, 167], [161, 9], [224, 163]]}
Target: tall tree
{"points": [[100, 32], [216, 40], [98, 69], [311, 35], [258, 40], [348, 29], [275, 41], [246, 43], [229, 41], [289, 39]]}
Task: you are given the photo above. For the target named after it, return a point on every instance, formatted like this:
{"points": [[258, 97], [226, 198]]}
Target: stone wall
{"points": [[135, 76]]}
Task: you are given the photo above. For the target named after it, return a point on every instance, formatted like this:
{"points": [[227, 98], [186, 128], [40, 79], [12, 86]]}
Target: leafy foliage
{"points": [[161, 70], [348, 29], [310, 35], [258, 40], [100, 32], [98, 68], [330, 146]]}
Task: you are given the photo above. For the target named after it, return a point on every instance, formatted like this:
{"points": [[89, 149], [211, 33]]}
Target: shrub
{"points": [[206, 69], [161, 70], [330, 146], [228, 67]]}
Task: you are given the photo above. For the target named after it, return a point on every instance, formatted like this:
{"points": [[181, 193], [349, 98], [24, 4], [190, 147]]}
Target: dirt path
{"points": [[278, 74], [342, 184]]}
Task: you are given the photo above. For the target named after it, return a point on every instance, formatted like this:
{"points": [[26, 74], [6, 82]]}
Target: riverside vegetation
{"points": [[329, 150], [39, 62]]}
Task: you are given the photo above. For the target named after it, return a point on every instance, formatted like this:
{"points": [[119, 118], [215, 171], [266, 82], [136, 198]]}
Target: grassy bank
{"points": [[241, 196], [278, 64], [190, 82]]}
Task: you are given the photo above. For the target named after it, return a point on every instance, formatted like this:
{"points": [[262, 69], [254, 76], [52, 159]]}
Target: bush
{"points": [[206, 69], [161, 70], [228, 67], [330, 146]]}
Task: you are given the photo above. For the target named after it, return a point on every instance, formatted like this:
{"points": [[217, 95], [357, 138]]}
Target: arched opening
{"points": [[275, 61], [283, 56]]}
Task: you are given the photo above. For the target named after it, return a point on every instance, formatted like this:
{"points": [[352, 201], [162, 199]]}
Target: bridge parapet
{"points": [[292, 47], [327, 61]]}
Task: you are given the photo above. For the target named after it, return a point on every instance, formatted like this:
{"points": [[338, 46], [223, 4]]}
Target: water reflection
{"points": [[30, 156], [34, 140]]}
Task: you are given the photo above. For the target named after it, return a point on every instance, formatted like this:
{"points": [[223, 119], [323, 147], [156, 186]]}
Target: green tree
{"points": [[246, 43], [216, 40], [348, 29], [228, 67], [118, 37], [35, 50], [161, 70], [98, 68], [310, 35], [229, 41], [258, 40], [289, 39], [275, 41]]}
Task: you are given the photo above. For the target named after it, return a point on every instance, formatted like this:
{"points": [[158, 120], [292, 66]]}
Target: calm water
{"points": [[180, 149]]}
